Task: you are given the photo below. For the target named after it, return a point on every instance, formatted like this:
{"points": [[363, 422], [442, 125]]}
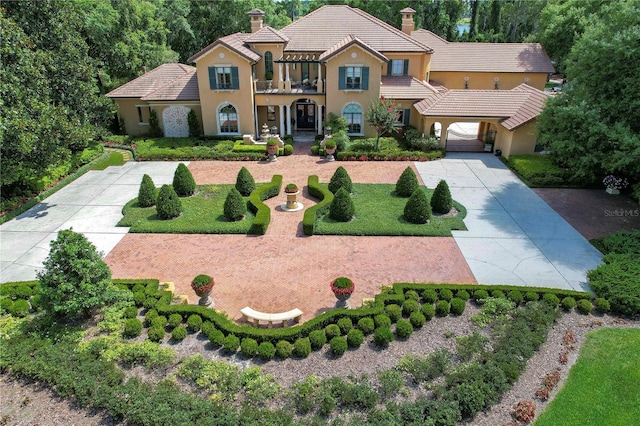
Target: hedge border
{"points": [[312, 213], [399, 156], [240, 147], [260, 209], [134, 153]]}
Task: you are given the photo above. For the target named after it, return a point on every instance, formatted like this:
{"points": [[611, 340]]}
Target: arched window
{"points": [[228, 119], [268, 64], [353, 114]]}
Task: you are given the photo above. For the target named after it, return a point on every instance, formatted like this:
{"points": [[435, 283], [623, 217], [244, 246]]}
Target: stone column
{"points": [[281, 111], [288, 119], [319, 114]]}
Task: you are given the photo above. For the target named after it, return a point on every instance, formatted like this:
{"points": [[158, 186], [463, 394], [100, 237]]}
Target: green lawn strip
{"points": [[602, 388], [539, 171], [114, 159], [202, 214], [380, 212]]}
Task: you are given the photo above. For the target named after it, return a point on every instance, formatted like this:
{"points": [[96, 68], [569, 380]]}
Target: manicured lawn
{"points": [[202, 214], [380, 212], [539, 171], [114, 159], [603, 386]]}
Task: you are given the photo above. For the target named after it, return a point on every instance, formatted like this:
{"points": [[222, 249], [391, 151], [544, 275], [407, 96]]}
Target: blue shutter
{"points": [[365, 78], [405, 67], [235, 82], [342, 77], [212, 78], [406, 116], [389, 67]]}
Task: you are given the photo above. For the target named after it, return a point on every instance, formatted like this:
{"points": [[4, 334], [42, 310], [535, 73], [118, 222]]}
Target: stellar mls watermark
{"points": [[622, 213]]}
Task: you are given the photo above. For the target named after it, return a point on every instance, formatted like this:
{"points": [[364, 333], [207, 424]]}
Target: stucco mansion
{"points": [[339, 59]]}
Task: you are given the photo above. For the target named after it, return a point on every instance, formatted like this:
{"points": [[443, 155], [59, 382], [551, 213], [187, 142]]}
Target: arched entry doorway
{"points": [[463, 137]]}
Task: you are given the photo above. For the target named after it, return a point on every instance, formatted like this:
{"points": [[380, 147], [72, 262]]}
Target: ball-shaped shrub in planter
{"points": [[366, 325], [283, 349], [338, 345], [130, 312], [441, 201], [19, 308], [429, 296], [179, 333], [531, 296], [183, 182], [568, 303], [394, 312], [404, 328], [174, 320], [516, 297], [249, 347], [266, 351], [342, 208], [417, 210], [332, 330], [317, 338], [148, 193], [168, 205], [602, 305], [551, 299], [245, 184], [417, 319], [428, 310], [442, 308], [231, 344], [159, 321], [463, 294], [382, 320], [383, 336], [340, 179], [155, 333], [194, 322], [411, 295], [302, 347], [457, 306], [235, 207], [355, 338], [345, 324], [445, 294], [216, 338], [584, 306], [410, 306], [132, 328], [407, 183]]}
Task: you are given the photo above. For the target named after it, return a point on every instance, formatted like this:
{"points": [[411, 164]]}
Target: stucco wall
{"points": [[127, 110], [480, 80]]}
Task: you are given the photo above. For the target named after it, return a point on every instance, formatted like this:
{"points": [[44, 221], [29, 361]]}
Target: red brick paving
{"points": [[284, 269]]}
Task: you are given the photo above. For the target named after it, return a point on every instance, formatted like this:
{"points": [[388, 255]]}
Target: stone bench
{"points": [[251, 315]]}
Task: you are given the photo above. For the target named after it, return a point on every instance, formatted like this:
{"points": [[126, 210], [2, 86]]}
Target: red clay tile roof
{"points": [[183, 88], [484, 57], [233, 42], [405, 87], [267, 34], [325, 27], [345, 43], [516, 107], [151, 81]]}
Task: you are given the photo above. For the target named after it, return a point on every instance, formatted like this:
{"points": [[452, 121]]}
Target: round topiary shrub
{"points": [[138, 287], [207, 328], [428, 310], [340, 179], [404, 328], [168, 204], [139, 298], [342, 208], [602, 305], [19, 308], [155, 333], [317, 338], [429, 296], [345, 324], [288, 149], [457, 306], [149, 316], [463, 294], [283, 349], [231, 344], [338, 345], [179, 333], [174, 320], [383, 336], [194, 322], [355, 338], [332, 330], [235, 207], [302, 347], [584, 306], [150, 302], [216, 338], [266, 351], [410, 306], [411, 295], [442, 308], [382, 320], [5, 304], [183, 182], [498, 294], [445, 294], [480, 295], [568, 303], [516, 297], [441, 201], [551, 299], [407, 183], [244, 182], [130, 312], [366, 325], [531, 296], [147, 194], [417, 210], [249, 347], [24, 292], [394, 312], [417, 319], [132, 328]]}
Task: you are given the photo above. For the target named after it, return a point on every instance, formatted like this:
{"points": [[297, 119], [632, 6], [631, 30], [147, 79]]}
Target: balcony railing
{"points": [[262, 86]]}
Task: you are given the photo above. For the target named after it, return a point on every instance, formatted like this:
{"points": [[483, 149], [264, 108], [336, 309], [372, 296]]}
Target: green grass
{"points": [[380, 212], [202, 214], [538, 171], [603, 386], [114, 159]]}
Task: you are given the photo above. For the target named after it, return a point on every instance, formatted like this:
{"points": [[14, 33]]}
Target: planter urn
{"points": [[330, 151], [203, 289], [342, 293], [272, 150]]}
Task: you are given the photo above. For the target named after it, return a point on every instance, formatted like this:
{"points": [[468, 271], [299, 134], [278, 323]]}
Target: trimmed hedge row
{"points": [[312, 213], [396, 156], [260, 209]]}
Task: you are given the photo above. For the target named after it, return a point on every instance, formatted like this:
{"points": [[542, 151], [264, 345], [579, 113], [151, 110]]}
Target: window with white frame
{"points": [[399, 121], [228, 119], [397, 67], [353, 114], [223, 78], [354, 78], [144, 112]]}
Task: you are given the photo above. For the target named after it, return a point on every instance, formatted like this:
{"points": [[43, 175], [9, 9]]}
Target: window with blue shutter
{"points": [[407, 113], [353, 78], [212, 78], [405, 68], [398, 67], [235, 81], [342, 79], [224, 78], [365, 78]]}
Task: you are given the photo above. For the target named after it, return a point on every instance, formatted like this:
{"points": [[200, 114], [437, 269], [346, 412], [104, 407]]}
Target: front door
{"points": [[305, 116]]}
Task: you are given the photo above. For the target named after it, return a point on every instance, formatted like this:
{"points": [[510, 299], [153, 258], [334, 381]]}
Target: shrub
{"points": [[302, 347], [183, 182], [174, 320], [342, 208], [457, 306], [207, 328], [382, 320], [445, 294], [132, 328], [412, 295], [568, 303], [147, 194], [19, 308], [5, 305], [479, 295], [584, 306], [410, 306], [235, 207], [428, 310], [231, 343], [531, 296], [216, 337], [332, 330], [345, 324], [429, 296], [340, 179], [497, 294], [317, 338], [617, 280], [407, 183], [249, 347], [179, 333], [551, 299], [283, 349], [168, 204], [442, 308], [441, 201], [366, 325], [338, 345], [394, 312], [602, 305], [417, 319], [525, 411], [194, 125], [23, 292], [150, 303], [154, 124], [515, 296], [288, 149], [417, 210], [130, 312], [194, 322], [149, 316], [383, 336], [159, 321], [156, 333], [404, 328], [463, 294], [244, 182], [139, 298], [266, 351], [355, 338]]}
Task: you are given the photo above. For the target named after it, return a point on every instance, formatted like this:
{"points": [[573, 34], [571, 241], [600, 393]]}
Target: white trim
{"points": [[218, 108], [362, 115], [355, 65], [181, 103]]}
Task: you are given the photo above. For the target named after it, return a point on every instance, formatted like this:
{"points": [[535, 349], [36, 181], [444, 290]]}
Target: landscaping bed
{"points": [[539, 171]]}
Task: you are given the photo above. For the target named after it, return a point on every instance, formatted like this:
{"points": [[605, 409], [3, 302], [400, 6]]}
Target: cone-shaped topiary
{"points": [[417, 210], [340, 179], [234, 206], [244, 182], [147, 194], [342, 208], [183, 182], [441, 201], [407, 183], [168, 204]]}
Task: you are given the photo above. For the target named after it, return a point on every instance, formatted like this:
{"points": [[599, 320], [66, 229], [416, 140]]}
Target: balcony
{"points": [[288, 87]]}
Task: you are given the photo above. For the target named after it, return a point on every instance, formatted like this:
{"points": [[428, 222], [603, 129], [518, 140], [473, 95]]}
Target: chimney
{"points": [[256, 16], [407, 20]]}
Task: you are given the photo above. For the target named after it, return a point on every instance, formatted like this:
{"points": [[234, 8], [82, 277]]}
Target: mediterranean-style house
{"points": [[339, 59]]}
